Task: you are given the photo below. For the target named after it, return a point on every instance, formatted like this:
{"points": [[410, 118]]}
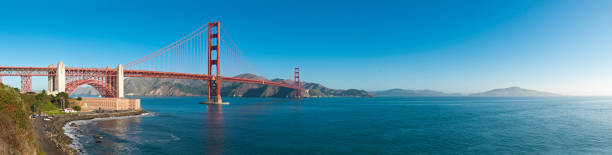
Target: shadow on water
{"points": [[215, 139]]}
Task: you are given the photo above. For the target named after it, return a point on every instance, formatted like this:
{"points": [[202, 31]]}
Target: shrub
{"points": [[77, 108]]}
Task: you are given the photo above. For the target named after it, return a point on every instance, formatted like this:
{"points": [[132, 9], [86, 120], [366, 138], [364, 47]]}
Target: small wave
{"points": [[172, 138], [148, 114], [175, 138], [73, 133], [119, 117]]}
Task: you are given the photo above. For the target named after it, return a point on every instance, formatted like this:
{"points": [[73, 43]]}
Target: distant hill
{"points": [[186, 87], [514, 91], [318, 90], [407, 92], [86, 90]]}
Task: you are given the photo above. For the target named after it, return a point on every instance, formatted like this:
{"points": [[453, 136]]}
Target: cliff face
{"points": [[184, 87], [16, 134]]}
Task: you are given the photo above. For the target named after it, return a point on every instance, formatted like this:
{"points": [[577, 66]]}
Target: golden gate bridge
{"points": [[196, 56]]}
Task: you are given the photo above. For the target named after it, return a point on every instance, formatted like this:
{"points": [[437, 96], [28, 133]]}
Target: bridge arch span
{"points": [[105, 89]]}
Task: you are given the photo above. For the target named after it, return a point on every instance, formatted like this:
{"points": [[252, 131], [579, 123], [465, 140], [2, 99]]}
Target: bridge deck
{"points": [[50, 71]]}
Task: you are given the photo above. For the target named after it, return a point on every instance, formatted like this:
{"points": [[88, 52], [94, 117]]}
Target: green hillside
{"points": [[17, 136]]}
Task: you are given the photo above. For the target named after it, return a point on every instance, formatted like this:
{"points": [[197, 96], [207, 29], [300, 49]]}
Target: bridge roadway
{"points": [[101, 73]]}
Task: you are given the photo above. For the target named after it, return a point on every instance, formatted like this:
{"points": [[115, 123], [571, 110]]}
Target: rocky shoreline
{"points": [[51, 135]]}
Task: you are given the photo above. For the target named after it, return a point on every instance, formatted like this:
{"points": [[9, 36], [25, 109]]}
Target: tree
{"points": [[41, 96], [33, 108], [77, 108], [61, 99]]}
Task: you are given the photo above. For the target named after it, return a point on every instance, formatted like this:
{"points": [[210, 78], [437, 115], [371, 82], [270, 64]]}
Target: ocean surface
{"points": [[412, 125]]}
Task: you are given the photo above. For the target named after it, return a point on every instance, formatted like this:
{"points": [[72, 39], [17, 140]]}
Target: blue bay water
{"points": [[414, 125]]}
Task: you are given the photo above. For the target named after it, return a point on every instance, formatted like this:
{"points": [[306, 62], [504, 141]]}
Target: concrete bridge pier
{"points": [[60, 77], [51, 81], [120, 90], [57, 83]]}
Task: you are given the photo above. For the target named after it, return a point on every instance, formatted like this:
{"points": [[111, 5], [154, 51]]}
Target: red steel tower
{"points": [[296, 78], [26, 83], [214, 85]]}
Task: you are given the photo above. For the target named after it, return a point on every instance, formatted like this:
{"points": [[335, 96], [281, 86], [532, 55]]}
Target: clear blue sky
{"points": [[453, 46]]}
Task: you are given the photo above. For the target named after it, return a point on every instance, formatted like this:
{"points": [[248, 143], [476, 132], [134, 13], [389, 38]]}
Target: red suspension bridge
{"points": [[195, 56]]}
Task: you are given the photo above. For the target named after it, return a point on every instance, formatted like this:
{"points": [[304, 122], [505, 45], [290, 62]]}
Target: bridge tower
{"points": [[296, 78], [214, 85]]}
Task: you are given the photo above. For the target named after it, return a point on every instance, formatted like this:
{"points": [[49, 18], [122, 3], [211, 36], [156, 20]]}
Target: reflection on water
{"points": [[214, 133]]}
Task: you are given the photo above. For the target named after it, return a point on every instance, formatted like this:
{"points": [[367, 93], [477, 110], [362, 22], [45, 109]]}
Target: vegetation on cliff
{"points": [[16, 136]]}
